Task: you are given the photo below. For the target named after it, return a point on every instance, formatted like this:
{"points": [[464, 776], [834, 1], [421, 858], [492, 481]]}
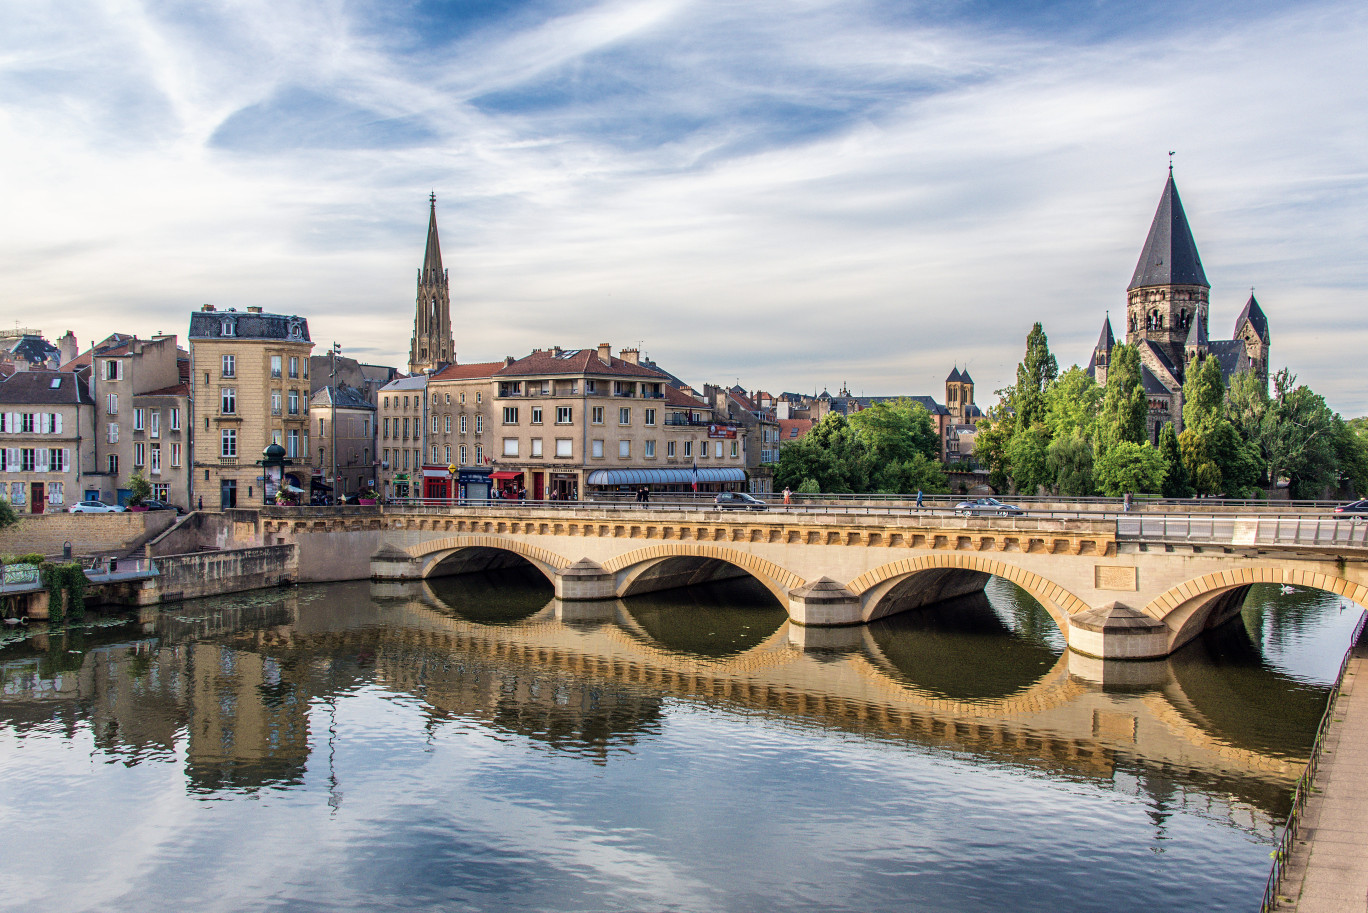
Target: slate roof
{"points": [[180, 389], [347, 397], [954, 376], [35, 388], [965, 378], [432, 258], [1153, 385], [843, 403], [1162, 357], [1197, 333], [1232, 356], [209, 325], [1106, 341], [33, 349], [1169, 256], [1255, 315], [405, 384]]}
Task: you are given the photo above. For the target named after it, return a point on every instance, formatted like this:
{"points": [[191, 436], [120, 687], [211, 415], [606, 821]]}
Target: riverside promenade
{"points": [[1327, 871]]}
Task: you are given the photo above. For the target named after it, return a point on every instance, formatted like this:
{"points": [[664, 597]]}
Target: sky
{"points": [[789, 195]]}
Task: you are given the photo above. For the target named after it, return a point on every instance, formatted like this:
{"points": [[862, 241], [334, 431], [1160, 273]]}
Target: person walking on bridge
{"points": [[919, 499], [788, 496]]}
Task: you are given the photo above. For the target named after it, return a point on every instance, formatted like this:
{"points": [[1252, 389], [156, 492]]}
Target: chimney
{"points": [[556, 351], [631, 356], [207, 307], [508, 360], [255, 310], [605, 353]]}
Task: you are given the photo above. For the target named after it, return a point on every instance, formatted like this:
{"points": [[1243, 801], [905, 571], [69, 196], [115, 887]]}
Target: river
{"points": [[470, 743]]}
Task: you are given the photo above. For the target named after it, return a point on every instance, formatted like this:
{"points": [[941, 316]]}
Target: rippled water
{"points": [[472, 744]]}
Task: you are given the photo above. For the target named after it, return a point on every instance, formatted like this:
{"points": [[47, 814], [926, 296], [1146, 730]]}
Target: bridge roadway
{"points": [[1117, 586]]}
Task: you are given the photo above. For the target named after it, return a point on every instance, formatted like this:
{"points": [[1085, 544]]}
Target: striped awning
{"points": [[663, 476]]}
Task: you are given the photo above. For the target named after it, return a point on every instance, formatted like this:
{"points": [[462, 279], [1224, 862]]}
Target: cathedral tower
{"points": [[432, 343], [1169, 291]]}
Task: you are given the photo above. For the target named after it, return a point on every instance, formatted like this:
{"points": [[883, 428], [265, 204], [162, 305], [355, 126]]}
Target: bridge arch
{"points": [[948, 575], [434, 552], [647, 566], [1202, 602]]}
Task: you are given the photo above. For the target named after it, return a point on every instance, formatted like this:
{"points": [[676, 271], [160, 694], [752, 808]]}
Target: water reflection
{"points": [[691, 707]]}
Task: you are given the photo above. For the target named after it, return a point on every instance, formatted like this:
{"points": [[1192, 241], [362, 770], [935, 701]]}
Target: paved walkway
{"points": [[1328, 869]]}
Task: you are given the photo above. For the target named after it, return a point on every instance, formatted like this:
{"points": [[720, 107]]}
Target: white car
{"points": [[95, 507]]}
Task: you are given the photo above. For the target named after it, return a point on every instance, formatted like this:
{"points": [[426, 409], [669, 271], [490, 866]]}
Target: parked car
{"points": [[1355, 510], [95, 507], [162, 505], [988, 506], [739, 500]]}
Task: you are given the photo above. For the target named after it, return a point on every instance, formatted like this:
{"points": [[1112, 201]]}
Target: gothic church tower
{"points": [[432, 343], [1169, 291]]}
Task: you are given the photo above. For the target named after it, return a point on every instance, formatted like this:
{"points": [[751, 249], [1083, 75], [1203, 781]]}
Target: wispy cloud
{"points": [[794, 195]]}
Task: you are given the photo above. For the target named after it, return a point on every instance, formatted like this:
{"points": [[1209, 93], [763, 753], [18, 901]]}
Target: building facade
{"points": [[47, 425], [343, 422], [399, 437], [249, 376]]}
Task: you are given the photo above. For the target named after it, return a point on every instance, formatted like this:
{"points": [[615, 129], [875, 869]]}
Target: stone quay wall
{"points": [[89, 534], [214, 573]]}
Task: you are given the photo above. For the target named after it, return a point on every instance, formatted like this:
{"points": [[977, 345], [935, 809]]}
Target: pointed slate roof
{"points": [[1255, 315], [1106, 341], [1170, 254], [1197, 334], [432, 260], [955, 376], [965, 378]]}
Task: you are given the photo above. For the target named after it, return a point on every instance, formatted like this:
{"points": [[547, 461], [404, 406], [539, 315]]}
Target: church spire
{"points": [[1170, 255], [432, 259], [432, 343]]}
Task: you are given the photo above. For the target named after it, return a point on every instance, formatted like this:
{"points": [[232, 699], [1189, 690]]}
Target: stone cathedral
{"points": [[1167, 305], [432, 342]]}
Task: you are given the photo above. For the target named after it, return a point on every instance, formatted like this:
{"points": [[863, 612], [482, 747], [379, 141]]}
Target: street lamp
{"points": [[332, 398]]}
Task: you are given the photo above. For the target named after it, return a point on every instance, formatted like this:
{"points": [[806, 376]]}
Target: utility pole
{"points": [[332, 398]]}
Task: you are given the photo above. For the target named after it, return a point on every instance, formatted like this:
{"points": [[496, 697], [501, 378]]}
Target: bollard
{"points": [[113, 565], [66, 550]]}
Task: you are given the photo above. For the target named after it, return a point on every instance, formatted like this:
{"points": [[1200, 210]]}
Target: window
{"points": [[112, 404], [670, 450], [230, 366], [596, 449], [650, 417], [406, 459], [536, 415], [702, 450], [228, 398], [26, 423], [650, 450], [590, 386], [113, 432], [447, 428], [735, 445], [624, 416], [596, 415], [175, 418], [275, 402], [478, 396], [446, 454], [479, 453], [113, 464], [55, 494], [162, 491], [463, 424], [435, 421], [154, 463], [479, 424], [463, 454], [57, 459], [113, 369], [292, 443], [434, 453], [564, 415], [384, 464], [688, 449], [28, 460], [624, 449], [448, 399], [322, 427], [510, 446], [510, 415], [228, 442], [275, 365], [294, 402], [564, 447], [434, 399], [175, 455], [139, 454], [406, 429], [463, 399], [154, 422], [536, 447], [717, 449], [510, 388], [294, 365], [226, 327], [385, 426], [138, 416]]}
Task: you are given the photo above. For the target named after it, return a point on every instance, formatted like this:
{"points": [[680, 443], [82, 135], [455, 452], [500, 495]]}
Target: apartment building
{"points": [[344, 443], [47, 420], [249, 374], [399, 437]]}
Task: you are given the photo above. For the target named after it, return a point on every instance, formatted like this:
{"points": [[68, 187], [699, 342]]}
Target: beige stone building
{"points": [[249, 374], [343, 423], [399, 437], [47, 423]]}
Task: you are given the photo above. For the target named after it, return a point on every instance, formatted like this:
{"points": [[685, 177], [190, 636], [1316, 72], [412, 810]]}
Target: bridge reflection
{"points": [[236, 683]]}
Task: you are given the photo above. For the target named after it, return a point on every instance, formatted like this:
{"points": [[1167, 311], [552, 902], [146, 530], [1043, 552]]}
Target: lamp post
{"points": [[332, 399]]}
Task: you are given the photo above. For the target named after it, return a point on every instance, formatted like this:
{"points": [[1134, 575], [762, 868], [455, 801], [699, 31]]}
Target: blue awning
{"points": [[663, 476]]}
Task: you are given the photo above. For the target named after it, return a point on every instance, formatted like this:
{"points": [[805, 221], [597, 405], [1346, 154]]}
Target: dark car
{"points": [[1355, 510], [739, 500], [162, 505], [988, 506]]}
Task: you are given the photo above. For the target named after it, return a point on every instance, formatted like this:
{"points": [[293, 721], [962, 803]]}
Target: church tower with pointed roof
{"points": [[432, 342], [1169, 291]]}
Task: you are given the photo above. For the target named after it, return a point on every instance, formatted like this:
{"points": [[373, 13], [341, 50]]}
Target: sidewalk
{"points": [[1328, 868]]}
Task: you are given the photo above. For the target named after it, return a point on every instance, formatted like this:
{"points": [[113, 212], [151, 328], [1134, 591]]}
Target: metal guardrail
{"points": [[1248, 530], [1306, 782]]}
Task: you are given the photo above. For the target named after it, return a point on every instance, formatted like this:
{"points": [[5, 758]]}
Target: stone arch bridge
{"points": [[1117, 588]]}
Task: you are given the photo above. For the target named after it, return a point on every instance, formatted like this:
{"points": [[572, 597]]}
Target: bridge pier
{"points": [[1117, 631], [585, 580], [824, 603]]}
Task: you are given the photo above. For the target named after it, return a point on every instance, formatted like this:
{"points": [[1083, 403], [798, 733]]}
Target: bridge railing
{"points": [[1217, 529]]}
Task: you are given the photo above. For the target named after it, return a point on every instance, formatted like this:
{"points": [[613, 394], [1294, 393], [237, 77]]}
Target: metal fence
{"points": [[1278, 530], [1306, 782]]}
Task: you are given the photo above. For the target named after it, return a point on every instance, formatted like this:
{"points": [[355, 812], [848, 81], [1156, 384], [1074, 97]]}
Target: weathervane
{"points": [[1172, 152]]}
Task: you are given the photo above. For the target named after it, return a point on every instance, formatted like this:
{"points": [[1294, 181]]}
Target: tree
{"points": [[917, 473], [1351, 450], [1203, 394], [1069, 461], [1176, 483], [139, 489], [1125, 407], [1072, 402], [1129, 467], [1301, 438], [895, 431], [990, 450], [1035, 374], [1027, 452], [8, 515]]}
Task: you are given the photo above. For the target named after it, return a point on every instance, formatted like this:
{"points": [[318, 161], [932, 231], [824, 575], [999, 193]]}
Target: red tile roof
{"points": [[474, 370], [677, 397], [180, 389], [582, 361], [788, 425]]}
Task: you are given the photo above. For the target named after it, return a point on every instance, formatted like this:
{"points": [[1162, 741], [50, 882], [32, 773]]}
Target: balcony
{"points": [[697, 421]]}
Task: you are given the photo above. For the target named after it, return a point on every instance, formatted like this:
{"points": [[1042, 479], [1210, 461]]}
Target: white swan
{"points": [[1285, 589]]}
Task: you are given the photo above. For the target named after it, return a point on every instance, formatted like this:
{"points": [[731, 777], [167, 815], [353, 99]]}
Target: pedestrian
{"points": [[200, 506], [1126, 502], [788, 496], [522, 492], [645, 495], [919, 499]]}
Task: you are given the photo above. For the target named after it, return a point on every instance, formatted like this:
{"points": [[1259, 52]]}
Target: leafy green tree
{"points": [[917, 473], [1069, 461], [139, 489], [1124, 404], [1129, 467], [1176, 483], [1301, 438], [1027, 452], [895, 431], [8, 515], [1072, 403], [1203, 394], [990, 449], [809, 487], [1217, 457], [1035, 375], [1351, 450]]}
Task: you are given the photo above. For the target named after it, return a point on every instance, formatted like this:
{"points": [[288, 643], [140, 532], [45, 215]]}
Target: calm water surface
{"points": [[472, 744]]}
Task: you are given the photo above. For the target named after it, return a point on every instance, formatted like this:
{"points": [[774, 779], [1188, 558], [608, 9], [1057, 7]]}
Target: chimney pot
{"points": [[605, 353], [206, 307]]}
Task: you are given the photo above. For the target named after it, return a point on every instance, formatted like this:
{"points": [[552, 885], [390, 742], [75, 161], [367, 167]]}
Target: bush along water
{"points": [[68, 579]]}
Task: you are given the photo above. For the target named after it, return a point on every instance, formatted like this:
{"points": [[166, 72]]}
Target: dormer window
{"points": [[227, 328]]}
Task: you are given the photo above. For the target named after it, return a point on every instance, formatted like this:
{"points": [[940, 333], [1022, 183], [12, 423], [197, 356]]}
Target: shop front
{"points": [[509, 485], [475, 485], [623, 481], [437, 483], [564, 486]]}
